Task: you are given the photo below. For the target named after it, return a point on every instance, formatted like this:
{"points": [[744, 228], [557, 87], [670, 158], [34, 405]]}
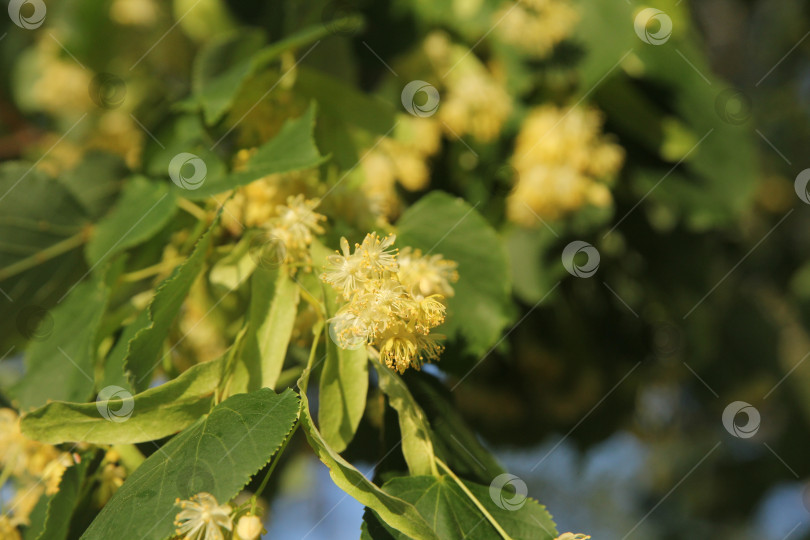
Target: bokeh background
{"points": [[607, 395]]}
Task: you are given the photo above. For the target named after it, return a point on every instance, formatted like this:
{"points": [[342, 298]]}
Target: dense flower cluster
{"points": [[37, 468], [402, 158], [536, 26], [563, 161], [473, 101], [391, 303]]}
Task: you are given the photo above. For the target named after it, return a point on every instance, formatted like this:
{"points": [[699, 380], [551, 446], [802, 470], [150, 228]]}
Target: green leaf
{"points": [[345, 102], [393, 510], [61, 505], [144, 351], [453, 515], [37, 213], [142, 210], [292, 149], [219, 70], [155, 413], [95, 181], [343, 387], [453, 441], [481, 307], [61, 366], [218, 454], [417, 446], [274, 301]]}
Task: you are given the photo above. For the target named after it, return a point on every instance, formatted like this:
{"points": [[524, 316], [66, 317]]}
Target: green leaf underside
{"points": [[393, 510], [60, 367], [292, 149], [452, 515], [144, 351], [417, 446], [273, 306], [156, 413], [143, 208], [343, 387], [218, 454], [480, 309]]}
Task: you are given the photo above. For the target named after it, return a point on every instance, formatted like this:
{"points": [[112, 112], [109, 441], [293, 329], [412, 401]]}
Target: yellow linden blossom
{"points": [[572, 536], [202, 518], [562, 161], [37, 468], [473, 101], [386, 303], [401, 158], [536, 26], [8, 529], [475, 104], [427, 275], [249, 528], [294, 227]]}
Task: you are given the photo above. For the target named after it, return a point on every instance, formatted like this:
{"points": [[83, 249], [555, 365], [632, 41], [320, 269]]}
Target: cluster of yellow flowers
{"points": [[572, 536], [391, 303], [203, 518], [402, 158], [474, 102], [536, 26], [37, 468], [255, 204], [562, 161]]}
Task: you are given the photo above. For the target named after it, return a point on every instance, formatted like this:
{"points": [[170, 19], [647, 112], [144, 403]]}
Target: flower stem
{"points": [[474, 500], [46, 254]]}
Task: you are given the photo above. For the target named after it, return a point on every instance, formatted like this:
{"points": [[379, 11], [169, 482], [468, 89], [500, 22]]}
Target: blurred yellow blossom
{"points": [[562, 162], [536, 26]]}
